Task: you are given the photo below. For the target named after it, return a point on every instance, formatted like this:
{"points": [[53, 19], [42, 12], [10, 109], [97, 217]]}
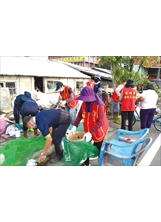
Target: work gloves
{"points": [[87, 136]]}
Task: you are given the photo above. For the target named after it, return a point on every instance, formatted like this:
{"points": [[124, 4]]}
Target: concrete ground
{"points": [[110, 135]]}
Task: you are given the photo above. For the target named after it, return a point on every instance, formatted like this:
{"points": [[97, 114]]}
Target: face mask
{"points": [[96, 80], [61, 89]]}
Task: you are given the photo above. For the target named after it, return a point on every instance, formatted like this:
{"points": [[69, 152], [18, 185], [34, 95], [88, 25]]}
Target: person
{"points": [[93, 115], [90, 83], [57, 120], [148, 100], [25, 105], [128, 99], [116, 103], [72, 105], [30, 108], [98, 85]]}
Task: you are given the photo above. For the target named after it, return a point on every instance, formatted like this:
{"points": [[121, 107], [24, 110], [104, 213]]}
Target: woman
{"points": [[93, 115], [148, 100], [128, 99]]}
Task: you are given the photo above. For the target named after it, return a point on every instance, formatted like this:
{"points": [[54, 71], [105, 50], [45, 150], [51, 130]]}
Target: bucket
{"points": [[77, 136]]}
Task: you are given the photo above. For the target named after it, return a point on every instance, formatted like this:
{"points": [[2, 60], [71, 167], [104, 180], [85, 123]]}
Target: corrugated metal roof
{"points": [[103, 70], [89, 71], [32, 67]]}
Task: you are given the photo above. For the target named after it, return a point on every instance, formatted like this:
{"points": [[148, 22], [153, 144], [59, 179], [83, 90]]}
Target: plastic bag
{"points": [[75, 152], [17, 152], [3, 124]]}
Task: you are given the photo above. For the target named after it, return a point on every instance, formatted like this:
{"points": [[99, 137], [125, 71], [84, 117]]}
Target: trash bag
{"points": [[75, 152], [12, 128], [3, 124], [17, 152]]}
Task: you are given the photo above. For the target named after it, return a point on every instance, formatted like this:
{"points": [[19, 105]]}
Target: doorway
{"points": [[39, 83]]}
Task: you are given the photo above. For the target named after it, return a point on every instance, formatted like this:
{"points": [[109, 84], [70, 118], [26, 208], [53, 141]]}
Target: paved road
{"points": [[153, 160]]}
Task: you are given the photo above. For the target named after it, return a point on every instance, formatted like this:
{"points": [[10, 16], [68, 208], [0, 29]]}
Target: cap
{"points": [[26, 96], [130, 82], [58, 85], [97, 76]]}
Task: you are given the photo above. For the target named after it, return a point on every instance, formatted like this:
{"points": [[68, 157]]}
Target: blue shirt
{"points": [[46, 119]]}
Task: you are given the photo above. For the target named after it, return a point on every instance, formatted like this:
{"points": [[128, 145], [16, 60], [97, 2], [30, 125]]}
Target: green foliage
{"points": [[122, 68]]}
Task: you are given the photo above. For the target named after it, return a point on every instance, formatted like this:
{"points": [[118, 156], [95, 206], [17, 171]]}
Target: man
{"points": [[66, 94], [98, 85], [25, 106], [56, 119], [29, 108], [93, 115], [115, 102]]}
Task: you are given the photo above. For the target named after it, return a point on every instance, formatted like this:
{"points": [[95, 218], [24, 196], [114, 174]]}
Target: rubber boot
{"points": [[58, 156], [36, 133], [116, 118], [25, 134]]}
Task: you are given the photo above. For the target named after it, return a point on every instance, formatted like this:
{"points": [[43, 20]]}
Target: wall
{"points": [[5, 99], [26, 83]]}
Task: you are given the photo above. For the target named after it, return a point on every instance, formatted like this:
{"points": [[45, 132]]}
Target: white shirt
{"points": [[150, 99]]}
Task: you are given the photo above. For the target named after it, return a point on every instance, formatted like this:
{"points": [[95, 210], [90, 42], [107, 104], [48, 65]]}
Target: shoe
{"points": [[56, 158], [83, 164], [93, 158]]}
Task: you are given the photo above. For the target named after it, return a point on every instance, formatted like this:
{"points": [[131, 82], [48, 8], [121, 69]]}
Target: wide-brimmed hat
{"points": [[26, 96], [58, 85], [87, 95], [130, 82]]}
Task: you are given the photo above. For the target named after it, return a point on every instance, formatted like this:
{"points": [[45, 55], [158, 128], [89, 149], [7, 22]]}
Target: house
{"points": [[21, 74], [106, 75]]}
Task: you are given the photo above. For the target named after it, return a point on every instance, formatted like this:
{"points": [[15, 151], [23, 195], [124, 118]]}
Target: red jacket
{"points": [[114, 96], [65, 96], [90, 84]]}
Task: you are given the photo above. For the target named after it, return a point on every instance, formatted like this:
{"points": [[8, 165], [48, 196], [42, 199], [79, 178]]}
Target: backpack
{"points": [[105, 97]]}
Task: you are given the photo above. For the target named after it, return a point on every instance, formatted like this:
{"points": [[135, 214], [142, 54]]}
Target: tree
{"points": [[122, 67]]}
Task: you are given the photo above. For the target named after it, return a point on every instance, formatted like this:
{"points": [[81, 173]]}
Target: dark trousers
{"points": [[98, 145], [29, 108], [127, 115], [146, 117], [59, 132], [16, 113]]}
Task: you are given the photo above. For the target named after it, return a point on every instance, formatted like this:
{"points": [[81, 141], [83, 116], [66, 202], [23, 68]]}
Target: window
{"points": [[11, 85], [51, 85], [79, 86]]}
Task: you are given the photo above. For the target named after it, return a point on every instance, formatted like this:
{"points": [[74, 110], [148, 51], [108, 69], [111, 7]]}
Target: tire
{"points": [[157, 123], [133, 122]]}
